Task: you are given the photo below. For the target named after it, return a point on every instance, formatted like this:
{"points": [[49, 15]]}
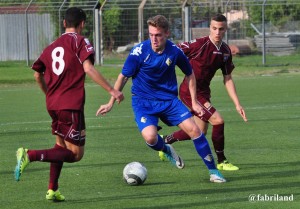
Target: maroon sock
{"points": [[179, 135], [55, 169], [55, 155], [218, 141]]}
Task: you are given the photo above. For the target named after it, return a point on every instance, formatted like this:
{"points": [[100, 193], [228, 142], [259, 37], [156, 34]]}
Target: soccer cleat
{"points": [[55, 195], [22, 162], [216, 176], [226, 166], [173, 157], [162, 156]]}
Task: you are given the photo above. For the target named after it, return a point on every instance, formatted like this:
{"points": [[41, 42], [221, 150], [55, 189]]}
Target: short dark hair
{"points": [[74, 16], [159, 21], [219, 18]]}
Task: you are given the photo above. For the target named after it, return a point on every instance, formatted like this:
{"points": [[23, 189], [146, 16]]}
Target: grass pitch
{"points": [[266, 148]]}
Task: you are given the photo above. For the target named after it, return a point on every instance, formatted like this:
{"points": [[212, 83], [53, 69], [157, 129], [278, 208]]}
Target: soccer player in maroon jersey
{"points": [[60, 73], [207, 55]]}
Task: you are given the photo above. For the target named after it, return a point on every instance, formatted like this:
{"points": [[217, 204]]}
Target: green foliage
{"points": [[111, 23], [277, 14], [111, 19]]}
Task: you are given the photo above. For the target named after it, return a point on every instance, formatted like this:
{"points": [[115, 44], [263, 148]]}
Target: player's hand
{"points": [[103, 109], [118, 95], [198, 110], [241, 111]]}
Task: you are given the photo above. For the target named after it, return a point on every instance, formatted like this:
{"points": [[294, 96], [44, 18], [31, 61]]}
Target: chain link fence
{"points": [[28, 27], [256, 27]]}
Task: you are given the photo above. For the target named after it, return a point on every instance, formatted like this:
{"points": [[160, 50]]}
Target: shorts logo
{"points": [[74, 135], [184, 114], [143, 119]]}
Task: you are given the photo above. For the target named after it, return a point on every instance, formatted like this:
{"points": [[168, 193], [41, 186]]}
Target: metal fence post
{"points": [[97, 36], [27, 34], [59, 18], [186, 27], [263, 33], [226, 12], [141, 21], [101, 33]]}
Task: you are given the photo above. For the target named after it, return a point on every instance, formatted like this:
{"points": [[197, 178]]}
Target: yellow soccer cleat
{"points": [[162, 156], [22, 162], [55, 196], [226, 166]]}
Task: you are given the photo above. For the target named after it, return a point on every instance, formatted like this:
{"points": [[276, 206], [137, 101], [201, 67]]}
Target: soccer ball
{"points": [[135, 173]]}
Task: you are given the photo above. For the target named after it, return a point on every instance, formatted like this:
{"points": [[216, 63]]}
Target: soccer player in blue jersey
{"points": [[151, 65]]}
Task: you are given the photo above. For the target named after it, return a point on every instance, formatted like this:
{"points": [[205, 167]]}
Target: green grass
{"points": [[266, 148]]}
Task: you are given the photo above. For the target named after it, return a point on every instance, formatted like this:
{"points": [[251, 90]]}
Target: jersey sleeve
{"points": [[228, 65], [184, 64], [38, 66], [86, 51], [189, 48], [131, 65]]}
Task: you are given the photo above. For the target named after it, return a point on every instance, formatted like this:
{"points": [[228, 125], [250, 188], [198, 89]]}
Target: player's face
{"points": [[158, 38], [217, 31]]}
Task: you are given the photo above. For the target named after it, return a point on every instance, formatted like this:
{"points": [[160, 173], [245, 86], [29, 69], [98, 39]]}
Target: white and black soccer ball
{"points": [[135, 173]]}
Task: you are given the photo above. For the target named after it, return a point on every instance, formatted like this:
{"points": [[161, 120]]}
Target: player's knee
{"points": [[78, 157], [217, 121], [195, 131], [150, 140]]}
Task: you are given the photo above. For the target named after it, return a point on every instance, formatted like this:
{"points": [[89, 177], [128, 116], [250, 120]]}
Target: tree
{"points": [[111, 23], [279, 15]]}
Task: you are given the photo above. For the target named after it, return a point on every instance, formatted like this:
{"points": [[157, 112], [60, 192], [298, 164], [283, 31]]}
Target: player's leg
{"points": [[68, 126], [55, 154], [218, 139], [155, 142], [146, 117], [55, 169], [53, 192], [203, 149], [181, 135]]}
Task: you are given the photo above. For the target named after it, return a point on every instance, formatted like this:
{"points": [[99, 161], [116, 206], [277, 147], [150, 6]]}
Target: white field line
{"points": [[281, 106]]}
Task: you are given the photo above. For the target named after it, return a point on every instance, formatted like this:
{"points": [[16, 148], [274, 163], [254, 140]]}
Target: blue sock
{"points": [[159, 145], [204, 151]]}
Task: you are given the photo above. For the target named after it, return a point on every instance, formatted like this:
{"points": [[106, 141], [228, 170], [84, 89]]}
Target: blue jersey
{"points": [[153, 75]]}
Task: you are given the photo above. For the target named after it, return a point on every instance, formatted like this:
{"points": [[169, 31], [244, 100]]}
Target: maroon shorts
{"points": [[208, 111], [69, 124]]}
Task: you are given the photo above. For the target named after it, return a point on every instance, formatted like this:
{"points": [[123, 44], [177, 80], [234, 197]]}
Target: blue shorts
{"points": [[148, 112]]}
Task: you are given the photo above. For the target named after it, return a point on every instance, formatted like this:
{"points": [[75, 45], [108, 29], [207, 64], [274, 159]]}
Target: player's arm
{"points": [[192, 88], [119, 85], [97, 77], [230, 87], [40, 68], [39, 77], [186, 68]]}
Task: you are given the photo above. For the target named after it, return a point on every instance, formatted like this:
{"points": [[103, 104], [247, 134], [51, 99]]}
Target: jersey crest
{"points": [[168, 61], [226, 57]]}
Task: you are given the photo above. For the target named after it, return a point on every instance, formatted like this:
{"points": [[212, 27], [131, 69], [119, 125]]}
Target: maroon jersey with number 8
{"points": [[61, 63]]}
